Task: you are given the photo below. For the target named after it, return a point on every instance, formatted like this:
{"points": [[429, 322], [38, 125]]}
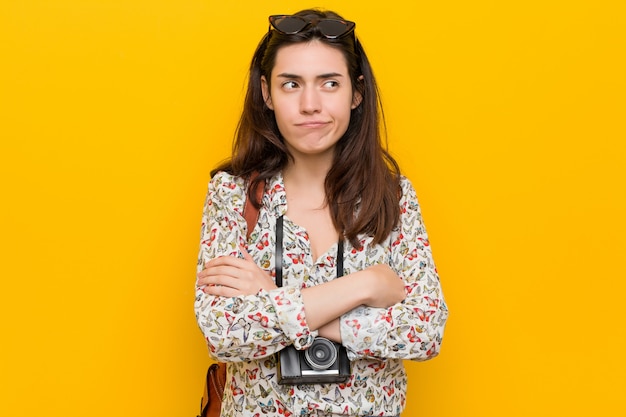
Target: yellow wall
{"points": [[508, 116]]}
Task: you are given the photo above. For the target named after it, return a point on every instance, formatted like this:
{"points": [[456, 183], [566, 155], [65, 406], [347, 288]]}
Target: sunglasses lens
{"points": [[289, 24], [330, 28], [334, 28]]}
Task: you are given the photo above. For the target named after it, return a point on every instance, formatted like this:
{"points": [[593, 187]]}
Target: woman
{"points": [[308, 156]]}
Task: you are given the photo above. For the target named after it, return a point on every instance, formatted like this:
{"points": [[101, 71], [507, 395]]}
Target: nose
{"points": [[310, 101]]}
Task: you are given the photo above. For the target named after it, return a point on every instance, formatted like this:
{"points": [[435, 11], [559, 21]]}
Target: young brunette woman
{"points": [[309, 140]]}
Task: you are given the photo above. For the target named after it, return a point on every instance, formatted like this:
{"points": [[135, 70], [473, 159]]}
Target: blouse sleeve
{"points": [[414, 328], [245, 327]]}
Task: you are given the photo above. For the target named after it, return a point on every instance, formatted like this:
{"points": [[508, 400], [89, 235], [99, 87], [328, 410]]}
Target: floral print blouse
{"points": [[247, 331]]}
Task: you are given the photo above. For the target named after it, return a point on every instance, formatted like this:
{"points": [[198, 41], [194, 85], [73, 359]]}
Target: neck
{"points": [[307, 171], [305, 184]]}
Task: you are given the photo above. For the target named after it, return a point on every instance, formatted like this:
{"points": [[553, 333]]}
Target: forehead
{"points": [[310, 58]]}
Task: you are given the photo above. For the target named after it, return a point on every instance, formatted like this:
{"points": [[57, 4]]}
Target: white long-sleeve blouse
{"points": [[247, 331]]}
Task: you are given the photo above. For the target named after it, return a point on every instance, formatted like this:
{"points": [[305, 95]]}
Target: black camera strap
{"points": [[278, 260]]}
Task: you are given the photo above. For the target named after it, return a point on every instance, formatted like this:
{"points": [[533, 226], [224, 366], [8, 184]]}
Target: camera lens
{"points": [[321, 354]]}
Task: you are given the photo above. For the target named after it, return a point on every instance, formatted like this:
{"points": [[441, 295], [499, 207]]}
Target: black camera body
{"points": [[323, 362]]}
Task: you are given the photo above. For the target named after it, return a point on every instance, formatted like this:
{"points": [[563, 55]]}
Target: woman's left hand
{"points": [[229, 276]]}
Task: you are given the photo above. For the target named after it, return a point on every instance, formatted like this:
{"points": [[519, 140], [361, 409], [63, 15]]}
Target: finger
{"points": [[205, 272], [226, 260], [221, 291], [203, 282], [245, 254], [208, 272], [236, 272], [222, 280]]}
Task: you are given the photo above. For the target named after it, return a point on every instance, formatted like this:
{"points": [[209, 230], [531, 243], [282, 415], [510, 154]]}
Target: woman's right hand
{"points": [[232, 277], [384, 287]]}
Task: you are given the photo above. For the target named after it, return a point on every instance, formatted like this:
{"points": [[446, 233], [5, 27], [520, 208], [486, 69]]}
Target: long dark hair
{"points": [[362, 186]]}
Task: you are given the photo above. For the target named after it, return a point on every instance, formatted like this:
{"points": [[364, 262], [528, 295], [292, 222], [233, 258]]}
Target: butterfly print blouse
{"points": [[247, 331]]}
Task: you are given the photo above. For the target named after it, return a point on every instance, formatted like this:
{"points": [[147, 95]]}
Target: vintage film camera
{"points": [[323, 362]]}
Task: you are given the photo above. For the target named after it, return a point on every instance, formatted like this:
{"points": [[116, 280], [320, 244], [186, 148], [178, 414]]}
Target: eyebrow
{"points": [[320, 77]]}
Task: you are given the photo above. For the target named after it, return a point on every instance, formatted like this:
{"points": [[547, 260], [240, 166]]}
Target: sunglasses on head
{"points": [[329, 28]]}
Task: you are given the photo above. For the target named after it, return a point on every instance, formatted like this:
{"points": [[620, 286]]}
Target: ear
{"points": [[357, 97], [265, 88]]}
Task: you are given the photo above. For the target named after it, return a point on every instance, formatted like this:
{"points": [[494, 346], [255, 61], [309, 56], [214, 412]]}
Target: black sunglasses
{"points": [[329, 28]]}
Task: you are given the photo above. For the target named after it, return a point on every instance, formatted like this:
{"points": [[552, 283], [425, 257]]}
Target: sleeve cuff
{"points": [[359, 329], [287, 302]]}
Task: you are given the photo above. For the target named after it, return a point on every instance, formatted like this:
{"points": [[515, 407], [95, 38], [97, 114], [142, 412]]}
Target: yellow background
{"points": [[509, 117]]}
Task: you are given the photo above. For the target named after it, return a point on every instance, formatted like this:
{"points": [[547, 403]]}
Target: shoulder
{"points": [[407, 189], [409, 203], [227, 186]]}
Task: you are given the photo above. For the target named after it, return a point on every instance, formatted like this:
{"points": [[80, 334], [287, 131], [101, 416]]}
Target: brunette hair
{"points": [[363, 185]]}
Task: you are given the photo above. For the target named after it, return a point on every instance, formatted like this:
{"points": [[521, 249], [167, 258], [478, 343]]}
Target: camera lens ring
{"points": [[321, 355]]}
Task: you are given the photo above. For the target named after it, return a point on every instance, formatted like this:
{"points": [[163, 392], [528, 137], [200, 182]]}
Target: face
{"points": [[311, 95]]}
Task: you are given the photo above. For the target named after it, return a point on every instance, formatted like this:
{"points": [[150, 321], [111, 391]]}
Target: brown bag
{"points": [[211, 402]]}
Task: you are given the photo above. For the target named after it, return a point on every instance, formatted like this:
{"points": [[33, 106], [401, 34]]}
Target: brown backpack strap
{"points": [[250, 212]]}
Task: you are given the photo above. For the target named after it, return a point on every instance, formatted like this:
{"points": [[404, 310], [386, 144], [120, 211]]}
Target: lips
{"points": [[312, 124]]}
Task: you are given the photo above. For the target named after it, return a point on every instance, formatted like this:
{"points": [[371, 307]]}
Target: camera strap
{"points": [[279, 253]]}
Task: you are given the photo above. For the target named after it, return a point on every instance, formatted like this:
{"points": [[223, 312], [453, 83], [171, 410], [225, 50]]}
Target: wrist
{"points": [[331, 331], [365, 286]]}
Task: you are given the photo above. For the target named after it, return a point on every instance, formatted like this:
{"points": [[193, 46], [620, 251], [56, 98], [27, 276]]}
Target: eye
{"points": [[290, 85], [331, 84]]}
